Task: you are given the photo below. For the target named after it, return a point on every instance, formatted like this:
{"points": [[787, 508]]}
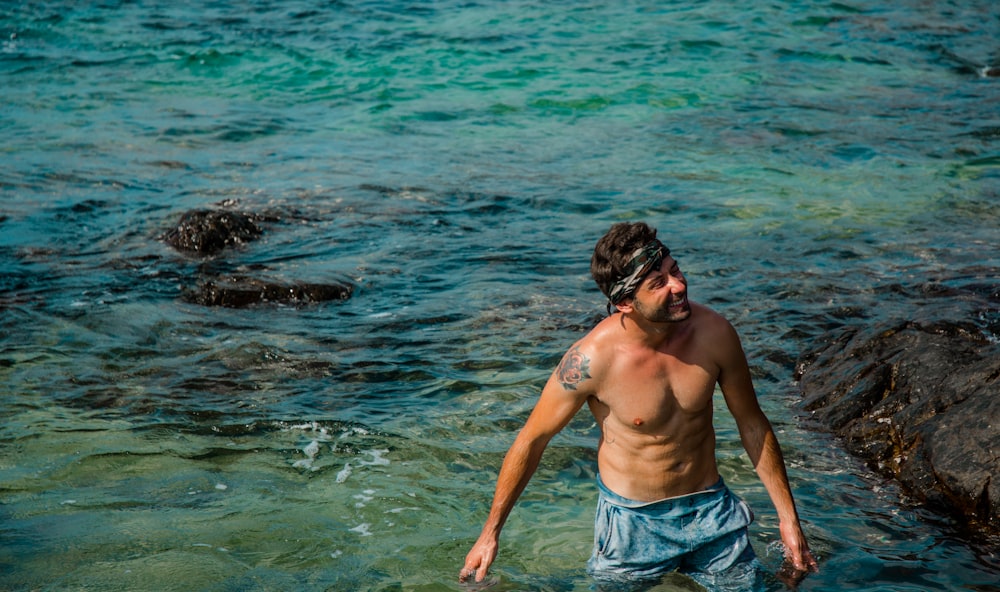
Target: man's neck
{"points": [[649, 333]]}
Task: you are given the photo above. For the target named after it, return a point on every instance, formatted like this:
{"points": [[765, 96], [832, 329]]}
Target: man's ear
{"points": [[625, 306]]}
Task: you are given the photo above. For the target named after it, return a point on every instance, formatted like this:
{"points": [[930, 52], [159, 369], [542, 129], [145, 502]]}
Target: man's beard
{"points": [[664, 314]]}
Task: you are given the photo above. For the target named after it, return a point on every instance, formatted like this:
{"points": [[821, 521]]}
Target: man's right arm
{"points": [[564, 394], [518, 466]]}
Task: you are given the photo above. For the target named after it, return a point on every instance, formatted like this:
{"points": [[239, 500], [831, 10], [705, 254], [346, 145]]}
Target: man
{"points": [[648, 372]]}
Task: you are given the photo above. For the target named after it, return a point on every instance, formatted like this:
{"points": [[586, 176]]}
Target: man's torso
{"points": [[654, 408]]}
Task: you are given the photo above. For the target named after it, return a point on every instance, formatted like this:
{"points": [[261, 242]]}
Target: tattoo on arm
{"points": [[573, 369]]}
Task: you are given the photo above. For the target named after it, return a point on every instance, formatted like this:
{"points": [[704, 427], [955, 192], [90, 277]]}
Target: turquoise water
{"points": [[811, 164]]}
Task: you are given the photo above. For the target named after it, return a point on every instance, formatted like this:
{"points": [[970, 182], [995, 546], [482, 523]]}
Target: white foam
{"points": [[362, 529], [322, 434], [344, 473], [377, 457], [775, 548], [311, 450], [354, 431], [364, 499]]}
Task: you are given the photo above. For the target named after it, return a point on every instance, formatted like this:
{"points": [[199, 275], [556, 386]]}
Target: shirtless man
{"points": [[648, 373]]}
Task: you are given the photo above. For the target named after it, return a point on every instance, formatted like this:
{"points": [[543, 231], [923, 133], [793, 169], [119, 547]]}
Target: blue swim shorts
{"points": [[704, 533]]}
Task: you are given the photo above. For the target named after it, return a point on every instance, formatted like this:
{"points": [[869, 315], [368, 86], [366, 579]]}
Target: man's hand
{"points": [[796, 549], [479, 559]]}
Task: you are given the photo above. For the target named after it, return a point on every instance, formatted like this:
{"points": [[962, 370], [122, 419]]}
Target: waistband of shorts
{"points": [[615, 499]]}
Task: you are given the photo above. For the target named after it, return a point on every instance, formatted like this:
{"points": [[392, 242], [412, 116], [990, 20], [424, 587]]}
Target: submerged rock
{"points": [[919, 402], [210, 231], [241, 292]]}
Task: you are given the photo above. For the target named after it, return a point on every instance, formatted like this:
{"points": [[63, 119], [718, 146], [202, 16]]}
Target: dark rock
{"points": [[171, 164], [919, 402], [241, 292], [210, 231]]}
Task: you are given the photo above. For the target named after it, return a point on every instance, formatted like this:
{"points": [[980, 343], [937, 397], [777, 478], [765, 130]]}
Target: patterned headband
{"points": [[642, 262]]}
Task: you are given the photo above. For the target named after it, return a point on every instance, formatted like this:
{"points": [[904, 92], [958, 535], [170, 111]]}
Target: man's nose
{"points": [[677, 282]]}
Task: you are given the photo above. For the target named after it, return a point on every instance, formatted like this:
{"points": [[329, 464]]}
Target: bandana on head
{"points": [[642, 262]]}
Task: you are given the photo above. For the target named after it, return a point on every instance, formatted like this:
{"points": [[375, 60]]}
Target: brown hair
{"points": [[614, 251]]}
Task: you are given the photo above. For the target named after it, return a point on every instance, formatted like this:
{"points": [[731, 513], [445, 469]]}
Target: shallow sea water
{"points": [[811, 164]]}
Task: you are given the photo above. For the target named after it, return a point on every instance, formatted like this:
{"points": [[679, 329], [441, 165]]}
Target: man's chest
{"points": [[657, 390]]}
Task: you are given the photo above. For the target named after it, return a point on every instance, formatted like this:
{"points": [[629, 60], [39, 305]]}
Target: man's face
{"points": [[662, 295]]}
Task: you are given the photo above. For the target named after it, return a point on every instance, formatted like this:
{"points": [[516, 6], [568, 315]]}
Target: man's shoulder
{"points": [[602, 334], [711, 330], [709, 317], [599, 343]]}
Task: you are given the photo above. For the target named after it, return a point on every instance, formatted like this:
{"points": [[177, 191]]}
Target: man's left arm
{"points": [[762, 446]]}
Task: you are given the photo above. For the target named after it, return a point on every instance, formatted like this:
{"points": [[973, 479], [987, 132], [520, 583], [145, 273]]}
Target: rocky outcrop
{"points": [[920, 402], [240, 292], [208, 233]]}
